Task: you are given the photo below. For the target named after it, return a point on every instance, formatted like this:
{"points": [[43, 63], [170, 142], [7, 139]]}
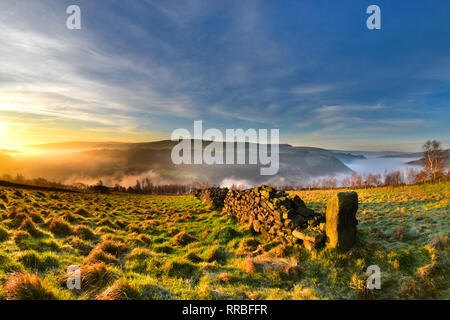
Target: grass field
{"points": [[175, 247]]}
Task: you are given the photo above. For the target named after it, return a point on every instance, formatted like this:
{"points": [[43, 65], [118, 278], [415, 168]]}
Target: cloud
{"points": [[310, 90]]}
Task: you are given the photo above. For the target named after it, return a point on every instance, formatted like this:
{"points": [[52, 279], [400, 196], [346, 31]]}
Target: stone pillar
{"points": [[341, 220]]}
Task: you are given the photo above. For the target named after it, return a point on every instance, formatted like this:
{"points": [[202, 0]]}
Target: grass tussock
{"points": [[28, 226], [26, 286], [59, 227], [84, 232], [122, 289], [183, 239], [95, 276], [98, 255]]}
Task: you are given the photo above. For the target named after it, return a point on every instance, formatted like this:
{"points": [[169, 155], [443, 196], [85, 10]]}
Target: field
{"points": [[175, 247]]}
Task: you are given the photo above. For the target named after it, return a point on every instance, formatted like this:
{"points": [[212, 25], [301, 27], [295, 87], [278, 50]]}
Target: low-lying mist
{"points": [[123, 164]]}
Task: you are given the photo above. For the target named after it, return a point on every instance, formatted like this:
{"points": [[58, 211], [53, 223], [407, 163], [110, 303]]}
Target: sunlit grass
{"points": [[175, 247]]}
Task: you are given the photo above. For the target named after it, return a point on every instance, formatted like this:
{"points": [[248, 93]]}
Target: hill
{"points": [[116, 162]]}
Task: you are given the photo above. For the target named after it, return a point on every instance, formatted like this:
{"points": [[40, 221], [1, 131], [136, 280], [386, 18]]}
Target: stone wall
{"points": [[276, 215], [212, 196]]}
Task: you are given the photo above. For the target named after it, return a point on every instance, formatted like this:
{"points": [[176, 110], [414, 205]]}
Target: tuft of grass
{"points": [[98, 255], [224, 234], [76, 243], [193, 257], [181, 268], [112, 247], [122, 289], [59, 227], [34, 261], [84, 232], [216, 253], [183, 239], [4, 234], [26, 286], [36, 217], [95, 276], [29, 226], [20, 236]]}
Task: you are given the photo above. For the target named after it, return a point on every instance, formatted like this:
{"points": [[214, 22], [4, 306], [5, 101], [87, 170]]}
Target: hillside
{"points": [[175, 247], [116, 162]]}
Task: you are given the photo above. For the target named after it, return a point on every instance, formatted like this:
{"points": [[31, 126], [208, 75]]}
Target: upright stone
{"points": [[341, 220]]}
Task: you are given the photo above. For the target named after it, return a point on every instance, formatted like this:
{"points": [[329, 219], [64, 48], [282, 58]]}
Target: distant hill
{"points": [[116, 161], [446, 153]]}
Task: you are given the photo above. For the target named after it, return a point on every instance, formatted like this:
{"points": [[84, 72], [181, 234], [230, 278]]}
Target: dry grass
{"points": [[183, 239], [26, 286]]}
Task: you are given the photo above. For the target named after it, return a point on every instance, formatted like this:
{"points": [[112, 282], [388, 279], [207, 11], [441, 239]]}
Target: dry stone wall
{"points": [[212, 196], [274, 214]]}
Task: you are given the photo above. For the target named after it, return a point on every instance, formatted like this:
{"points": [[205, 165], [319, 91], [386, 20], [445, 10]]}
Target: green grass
{"points": [[130, 247]]}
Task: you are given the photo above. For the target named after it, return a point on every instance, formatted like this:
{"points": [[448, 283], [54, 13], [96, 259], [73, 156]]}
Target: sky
{"points": [[137, 70]]}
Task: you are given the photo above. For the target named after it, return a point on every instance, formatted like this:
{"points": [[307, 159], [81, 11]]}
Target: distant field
{"points": [[175, 247]]}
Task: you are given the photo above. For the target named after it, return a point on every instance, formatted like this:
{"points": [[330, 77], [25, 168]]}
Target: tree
{"points": [[434, 160]]}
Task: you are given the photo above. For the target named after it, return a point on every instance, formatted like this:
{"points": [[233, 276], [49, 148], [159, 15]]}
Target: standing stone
{"points": [[341, 220]]}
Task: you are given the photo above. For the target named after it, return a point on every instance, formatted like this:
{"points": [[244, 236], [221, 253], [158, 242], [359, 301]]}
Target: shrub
{"points": [[26, 286]]}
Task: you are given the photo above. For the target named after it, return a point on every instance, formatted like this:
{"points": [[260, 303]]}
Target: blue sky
{"points": [[139, 69]]}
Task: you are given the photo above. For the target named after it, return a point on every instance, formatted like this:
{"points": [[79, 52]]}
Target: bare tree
{"points": [[434, 160]]}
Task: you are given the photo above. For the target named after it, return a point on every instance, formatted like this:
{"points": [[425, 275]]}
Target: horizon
{"points": [[373, 149]]}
